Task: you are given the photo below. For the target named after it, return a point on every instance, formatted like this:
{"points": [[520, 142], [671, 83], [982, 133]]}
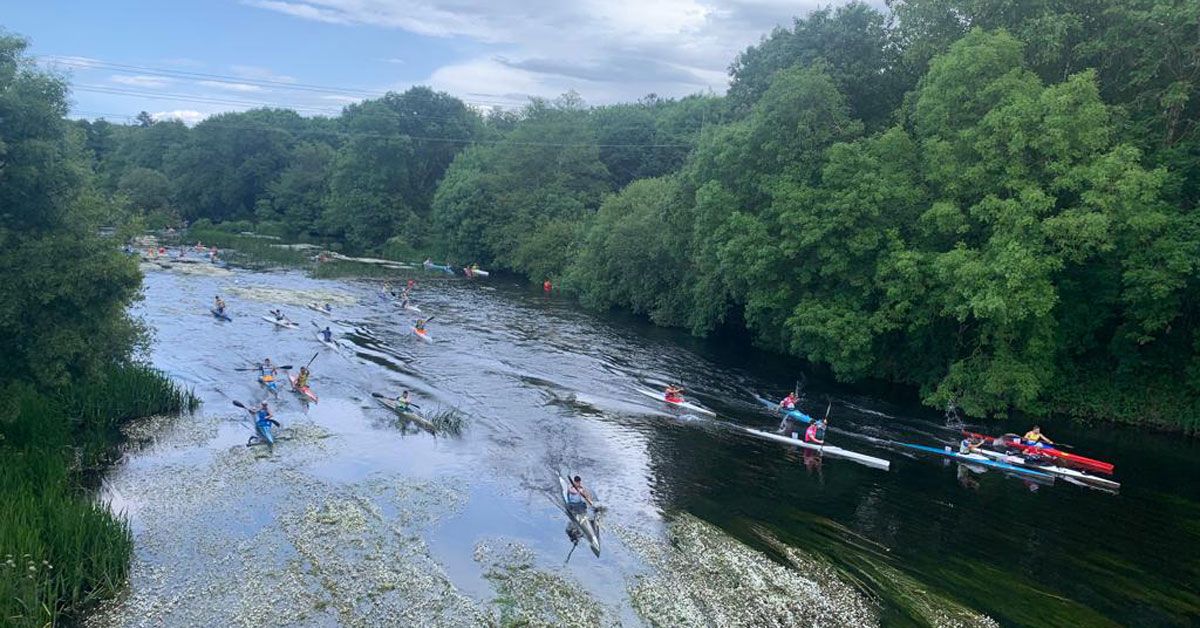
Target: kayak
{"points": [[332, 344], [1072, 475], [831, 450], [678, 404], [981, 460], [795, 415], [412, 308], [285, 323], [423, 334], [475, 272], [1010, 441], [219, 316], [264, 433], [270, 384], [394, 406], [306, 391], [580, 519], [318, 308], [445, 269]]}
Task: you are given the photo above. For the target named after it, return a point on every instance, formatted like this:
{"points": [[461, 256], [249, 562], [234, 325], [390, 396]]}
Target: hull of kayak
{"points": [[317, 308], [285, 324], [264, 433], [328, 343], [837, 452], [445, 269], [407, 415], [678, 404], [1073, 475], [1074, 460], [980, 460], [412, 308], [580, 519], [422, 334], [305, 392], [219, 316], [795, 415]]}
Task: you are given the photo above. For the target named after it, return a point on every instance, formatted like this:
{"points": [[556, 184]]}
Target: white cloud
{"points": [[187, 116], [607, 50], [140, 80], [231, 86], [259, 73], [393, 61]]}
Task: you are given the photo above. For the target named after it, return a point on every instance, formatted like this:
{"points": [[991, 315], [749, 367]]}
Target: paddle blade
{"points": [[375, 394], [240, 404]]}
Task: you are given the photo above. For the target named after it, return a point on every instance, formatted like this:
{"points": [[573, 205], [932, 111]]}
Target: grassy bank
{"points": [[249, 249], [61, 551]]}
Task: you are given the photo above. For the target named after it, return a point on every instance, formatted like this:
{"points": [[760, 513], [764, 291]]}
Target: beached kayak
{"points": [[687, 405], [285, 323], [423, 334], [586, 525], [408, 415], [795, 438], [305, 392]]}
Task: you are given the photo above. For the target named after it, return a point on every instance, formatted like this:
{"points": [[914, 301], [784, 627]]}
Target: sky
{"points": [[191, 58]]}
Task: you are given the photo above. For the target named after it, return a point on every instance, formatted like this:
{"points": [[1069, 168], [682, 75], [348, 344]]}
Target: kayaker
{"points": [[789, 402], [328, 308], [674, 394], [547, 286], [420, 326], [263, 417], [327, 334], [404, 401], [302, 378], [412, 283], [1036, 437], [267, 373], [815, 433], [578, 498], [219, 304], [970, 445], [279, 317]]}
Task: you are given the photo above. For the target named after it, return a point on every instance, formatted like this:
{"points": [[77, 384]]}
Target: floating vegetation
{"points": [[298, 298], [703, 577], [251, 250], [531, 596], [449, 421]]}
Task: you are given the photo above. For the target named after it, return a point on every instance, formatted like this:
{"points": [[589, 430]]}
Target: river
{"points": [[353, 519]]}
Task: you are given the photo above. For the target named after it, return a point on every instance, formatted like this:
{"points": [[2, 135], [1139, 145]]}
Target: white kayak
{"points": [[678, 404], [331, 343], [408, 415], [318, 308], [580, 519], [285, 323], [795, 439], [1072, 475], [412, 308], [423, 334]]}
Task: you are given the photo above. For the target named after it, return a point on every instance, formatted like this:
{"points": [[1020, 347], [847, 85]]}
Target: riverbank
{"points": [[62, 550]]}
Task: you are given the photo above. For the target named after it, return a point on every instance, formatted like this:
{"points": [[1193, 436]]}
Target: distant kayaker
{"points": [[279, 317], [578, 498], [327, 334], [815, 433], [970, 445], [412, 283], [547, 286], [1036, 437], [404, 401], [420, 326], [674, 394], [789, 402], [219, 304], [328, 308]]}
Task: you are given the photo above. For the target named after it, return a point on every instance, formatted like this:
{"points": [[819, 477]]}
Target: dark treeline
{"points": [[992, 201], [68, 378]]}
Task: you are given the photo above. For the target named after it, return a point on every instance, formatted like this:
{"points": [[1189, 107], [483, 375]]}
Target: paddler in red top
{"points": [[674, 394], [789, 402], [1036, 437], [547, 287], [815, 433]]}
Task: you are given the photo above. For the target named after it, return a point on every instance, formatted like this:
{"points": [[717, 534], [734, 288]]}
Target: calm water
{"points": [[544, 385]]}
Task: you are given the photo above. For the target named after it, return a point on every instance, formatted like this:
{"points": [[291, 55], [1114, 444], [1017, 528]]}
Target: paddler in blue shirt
{"points": [[969, 445], [327, 334], [263, 419]]}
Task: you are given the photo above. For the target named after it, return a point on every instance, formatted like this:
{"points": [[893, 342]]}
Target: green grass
{"points": [[61, 551]]}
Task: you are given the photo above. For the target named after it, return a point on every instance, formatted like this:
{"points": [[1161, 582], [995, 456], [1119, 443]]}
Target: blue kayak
{"points": [[795, 415], [264, 432], [980, 460]]}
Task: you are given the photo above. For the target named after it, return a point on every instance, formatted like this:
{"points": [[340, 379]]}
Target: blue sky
{"points": [[189, 59]]}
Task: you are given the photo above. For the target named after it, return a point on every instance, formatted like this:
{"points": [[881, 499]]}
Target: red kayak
{"points": [[1012, 441]]}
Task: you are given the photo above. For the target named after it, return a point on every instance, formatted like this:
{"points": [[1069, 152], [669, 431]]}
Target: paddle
{"points": [[259, 368], [380, 396]]}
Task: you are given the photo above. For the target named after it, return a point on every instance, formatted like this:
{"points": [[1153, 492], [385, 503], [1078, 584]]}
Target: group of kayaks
{"points": [[1009, 453]]}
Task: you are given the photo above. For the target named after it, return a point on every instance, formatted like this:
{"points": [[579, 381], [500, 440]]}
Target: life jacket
{"points": [[815, 432]]}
